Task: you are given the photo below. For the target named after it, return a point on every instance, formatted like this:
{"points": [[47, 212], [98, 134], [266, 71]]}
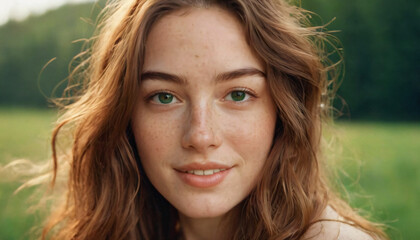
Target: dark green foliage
{"points": [[381, 50], [380, 40], [26, 47]]}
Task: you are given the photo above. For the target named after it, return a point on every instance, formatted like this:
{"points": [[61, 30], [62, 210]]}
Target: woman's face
{"points": [[204, 120]]}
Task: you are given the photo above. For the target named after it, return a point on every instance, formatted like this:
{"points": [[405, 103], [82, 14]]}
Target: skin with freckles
{"points": [[203, 99]]}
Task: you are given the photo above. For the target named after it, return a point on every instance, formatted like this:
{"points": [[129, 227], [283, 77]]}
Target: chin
{"points": [[200, 210], [203, 214]]}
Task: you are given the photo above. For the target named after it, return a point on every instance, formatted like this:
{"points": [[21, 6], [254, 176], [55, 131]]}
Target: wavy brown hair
{"points": [[108, 196]]}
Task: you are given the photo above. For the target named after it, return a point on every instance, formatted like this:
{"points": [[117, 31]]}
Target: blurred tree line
{"points": [[380, 40], [27, 77]]}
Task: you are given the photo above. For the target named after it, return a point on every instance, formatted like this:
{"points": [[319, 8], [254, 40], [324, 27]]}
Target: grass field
{"points": [[386, 178], [388, 172]]}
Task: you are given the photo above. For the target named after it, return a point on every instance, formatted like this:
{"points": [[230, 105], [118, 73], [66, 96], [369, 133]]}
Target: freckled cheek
{"points": [[251, 135], [156, 137]]}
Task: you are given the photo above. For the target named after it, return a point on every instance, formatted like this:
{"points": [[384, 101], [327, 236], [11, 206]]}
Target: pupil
{"points": [[165, 97], [238, 95]]}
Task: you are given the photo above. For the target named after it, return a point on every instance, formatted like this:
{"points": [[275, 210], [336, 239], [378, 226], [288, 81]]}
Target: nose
{"points": [[201, 129]]}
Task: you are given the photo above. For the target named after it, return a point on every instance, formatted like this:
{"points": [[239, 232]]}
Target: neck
{"points": [[207, 228]]}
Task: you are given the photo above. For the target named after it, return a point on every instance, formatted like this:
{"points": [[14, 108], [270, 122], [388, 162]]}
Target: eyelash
{"points": [[247, 91], [150, 97]]}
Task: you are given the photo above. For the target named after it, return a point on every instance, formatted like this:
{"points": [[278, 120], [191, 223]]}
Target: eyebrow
{"points": [[221, 77], [243, 72]]}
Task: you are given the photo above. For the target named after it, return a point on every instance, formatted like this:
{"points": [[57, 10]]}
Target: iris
{"points": [[238, 95], [165, 98]]}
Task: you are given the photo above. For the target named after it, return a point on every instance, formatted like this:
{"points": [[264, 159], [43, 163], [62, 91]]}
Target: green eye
{"points": [[237, 96], [163, 98]]}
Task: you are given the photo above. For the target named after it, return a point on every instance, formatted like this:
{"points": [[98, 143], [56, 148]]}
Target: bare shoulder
{"points": [[348, 232], [333, 228]]}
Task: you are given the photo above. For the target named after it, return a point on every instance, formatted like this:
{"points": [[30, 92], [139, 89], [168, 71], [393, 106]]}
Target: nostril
{"points": [[200, 137], [201, 131]]}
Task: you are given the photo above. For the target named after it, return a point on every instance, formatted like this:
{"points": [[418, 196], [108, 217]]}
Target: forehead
{"points": [[198, 37]]}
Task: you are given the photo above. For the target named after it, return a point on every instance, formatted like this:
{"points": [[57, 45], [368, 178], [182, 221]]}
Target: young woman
{"points": [[200, 119]]}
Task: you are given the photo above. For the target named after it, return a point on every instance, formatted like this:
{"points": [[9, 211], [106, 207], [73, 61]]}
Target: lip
{"points": [[203, 181], [202, 166]]}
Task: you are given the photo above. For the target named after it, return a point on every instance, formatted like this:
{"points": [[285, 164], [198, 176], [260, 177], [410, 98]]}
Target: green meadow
{"points": [[378, 163], [24, 134]]}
